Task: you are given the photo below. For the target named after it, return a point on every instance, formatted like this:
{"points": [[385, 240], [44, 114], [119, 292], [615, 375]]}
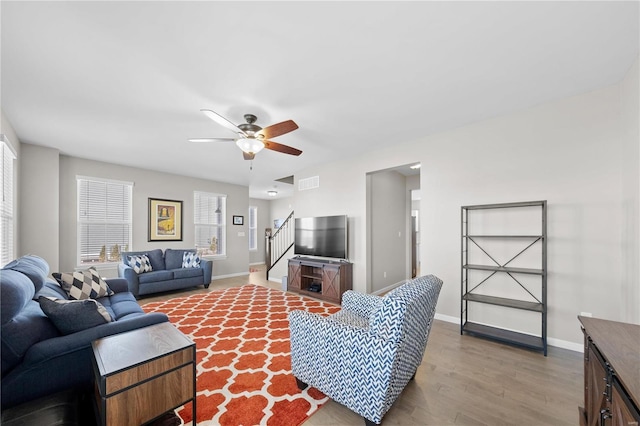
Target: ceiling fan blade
{"points": [[274, 146], [278, 129], [198, 140], [223, 121], [248, 156]]}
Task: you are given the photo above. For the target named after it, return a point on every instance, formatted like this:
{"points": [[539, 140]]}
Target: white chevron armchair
{"points": [[364, 355]]}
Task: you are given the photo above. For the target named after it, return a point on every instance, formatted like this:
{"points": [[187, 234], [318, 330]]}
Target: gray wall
{"points": [[156, 185], [264, 221], [39, 230], [388, 229]]}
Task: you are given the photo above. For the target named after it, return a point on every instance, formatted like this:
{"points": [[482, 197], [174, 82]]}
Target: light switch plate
{"points": [[240, 234]]}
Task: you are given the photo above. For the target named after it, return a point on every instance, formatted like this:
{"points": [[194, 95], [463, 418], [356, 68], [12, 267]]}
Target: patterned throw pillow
{"points": [[82, 285], [140, 264], [70, 316], [190, 260]]}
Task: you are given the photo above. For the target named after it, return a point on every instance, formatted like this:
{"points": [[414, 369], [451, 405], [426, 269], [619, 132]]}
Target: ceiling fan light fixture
{"points": [[250, 145]]}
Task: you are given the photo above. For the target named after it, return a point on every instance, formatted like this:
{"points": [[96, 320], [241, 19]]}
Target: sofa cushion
{"points": [[52, 288], [173, 258], [82, 285], [155, 276], [190, 260], [34, 267], [140, 264], [16, 290], [27, 328], [155, 257], [70, 316], [187, 272], [121, 305]]}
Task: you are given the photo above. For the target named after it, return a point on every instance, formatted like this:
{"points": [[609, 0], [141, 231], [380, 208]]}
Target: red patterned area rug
{"points": [[243, 355]]}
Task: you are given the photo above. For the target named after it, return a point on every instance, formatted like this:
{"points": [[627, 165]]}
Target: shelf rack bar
{"points": [[505, 205], [540, 306]]}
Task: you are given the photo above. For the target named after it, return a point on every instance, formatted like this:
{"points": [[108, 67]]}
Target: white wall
{"points": [[156, 185], [630, 154], [569, 152]]}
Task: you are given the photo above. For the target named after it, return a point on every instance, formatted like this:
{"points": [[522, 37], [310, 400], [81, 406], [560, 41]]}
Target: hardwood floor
{"points": [[465, 380]]}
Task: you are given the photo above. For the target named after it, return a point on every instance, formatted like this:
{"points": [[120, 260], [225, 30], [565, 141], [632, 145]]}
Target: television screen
{"points": [[324, 236]]}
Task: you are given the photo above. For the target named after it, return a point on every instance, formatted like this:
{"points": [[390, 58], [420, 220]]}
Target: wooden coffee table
{"points": [[143, 373]]}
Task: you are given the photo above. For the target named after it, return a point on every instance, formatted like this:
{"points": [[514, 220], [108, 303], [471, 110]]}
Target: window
{"points": [[253, 228], [209, 217], [7, 203], [104, 219]]}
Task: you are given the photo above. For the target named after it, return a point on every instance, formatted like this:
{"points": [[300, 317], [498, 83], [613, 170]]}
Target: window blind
{"points": [[253, 228], [209, 218], [7, 204], [104, 219]]}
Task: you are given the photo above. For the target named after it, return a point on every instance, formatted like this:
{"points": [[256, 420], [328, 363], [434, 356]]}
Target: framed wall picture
{"points": [[165, 220], [238, 220]]}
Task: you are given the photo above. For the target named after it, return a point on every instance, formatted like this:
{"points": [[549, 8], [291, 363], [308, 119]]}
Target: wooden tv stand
{"points": [[330, 277]]}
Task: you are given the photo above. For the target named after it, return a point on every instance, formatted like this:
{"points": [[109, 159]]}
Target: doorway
{"points": [[392, 237]]}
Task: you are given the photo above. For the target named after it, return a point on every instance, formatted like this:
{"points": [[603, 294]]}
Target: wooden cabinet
{"points": [[611, 373], [323, 279]]}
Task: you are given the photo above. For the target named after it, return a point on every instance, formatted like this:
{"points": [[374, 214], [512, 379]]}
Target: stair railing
{"points": [[280, 242]]}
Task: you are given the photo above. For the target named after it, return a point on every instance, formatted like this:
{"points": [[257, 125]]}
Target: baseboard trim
{"points": [[557, 343], [220, 277], [388, 288]]}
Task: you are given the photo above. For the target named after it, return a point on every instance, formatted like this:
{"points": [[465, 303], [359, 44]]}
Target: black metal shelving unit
{"points": [[538, 305]]}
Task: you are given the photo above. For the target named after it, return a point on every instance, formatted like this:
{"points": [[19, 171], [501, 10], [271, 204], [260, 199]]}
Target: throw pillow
{"points": [[71, 316], [190, 260], [82, 285], [140, 264]]}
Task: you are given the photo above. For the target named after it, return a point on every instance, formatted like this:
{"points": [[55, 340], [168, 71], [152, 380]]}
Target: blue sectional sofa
{"points": [[37, 358], [167, 272]]}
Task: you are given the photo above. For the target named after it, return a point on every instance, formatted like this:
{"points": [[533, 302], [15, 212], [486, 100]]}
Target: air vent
{"points": [[288, 179], [309, 183]]}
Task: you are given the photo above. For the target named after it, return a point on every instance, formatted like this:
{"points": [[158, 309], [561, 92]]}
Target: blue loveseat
{"points": [[167, 272], [37, 359]]}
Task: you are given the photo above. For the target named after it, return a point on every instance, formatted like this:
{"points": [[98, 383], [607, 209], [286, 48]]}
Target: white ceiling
{"points": [[123, 82]]}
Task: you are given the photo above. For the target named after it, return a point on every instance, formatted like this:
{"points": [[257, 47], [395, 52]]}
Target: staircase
{"points": [[280, 242]]}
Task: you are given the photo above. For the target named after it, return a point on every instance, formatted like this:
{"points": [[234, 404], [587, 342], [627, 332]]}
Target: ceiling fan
{"points": [[251, 137]]}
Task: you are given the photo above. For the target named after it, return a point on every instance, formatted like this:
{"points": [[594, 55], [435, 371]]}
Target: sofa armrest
{"points": [[118, 285], [207, 270], [361, 303], [58, 346], [127, 272]]}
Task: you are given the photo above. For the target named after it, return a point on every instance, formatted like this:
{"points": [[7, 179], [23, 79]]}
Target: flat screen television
{"points": [[324, 236]]}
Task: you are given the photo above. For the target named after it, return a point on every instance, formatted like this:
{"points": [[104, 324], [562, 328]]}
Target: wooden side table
{"points": [[143, 373]]}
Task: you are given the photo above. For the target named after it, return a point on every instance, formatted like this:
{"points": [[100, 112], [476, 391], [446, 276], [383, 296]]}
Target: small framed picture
{"points": [[238, 220]]}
